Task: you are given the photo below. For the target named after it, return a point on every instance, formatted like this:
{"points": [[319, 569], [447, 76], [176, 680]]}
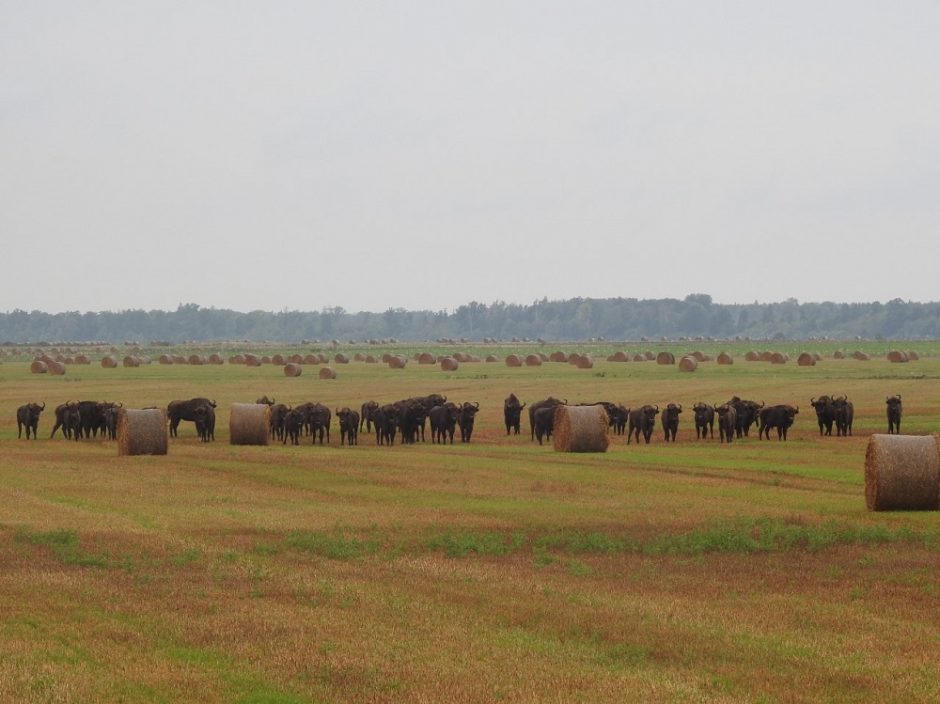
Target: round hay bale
{"points": [[292, 369], [542, 356], [278, 359], [449, 364], [533, 360], [252, 360], [860, 356], [312, 359], [427, 358], [898, 356], [752, 356], [473, 359], [386, 356], [459, 356], [68, 360], [619, 356], [142, 431], [82, 359], [639, 358], [359, 357], [248, 424], [59, 358], [778, 358], [806, 359], [397, 362], [580, 429], [574, 358], [180, 359], [265, 359], [196, 360], [165, 359], [56, 368], [216, 358], [323, 359], [698, 354], [513, 360], [688, 364], [766, 356], [912, 355], [341, 359], [38, 367], [558, 356], [237, 359], [902, 472], [649, 356], [327, 373], [838, 354], [665, 358], [109, 362], [725, 358], [492, 358], [296, 359], [371, 360], [585, 361]]}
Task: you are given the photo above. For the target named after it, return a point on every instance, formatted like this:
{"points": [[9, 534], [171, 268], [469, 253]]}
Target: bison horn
{"points": [[43, 405], [680, 408], [477, 404]]}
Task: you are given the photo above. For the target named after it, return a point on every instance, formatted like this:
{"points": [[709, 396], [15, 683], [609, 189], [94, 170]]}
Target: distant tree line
{"points": [[572, 319]]}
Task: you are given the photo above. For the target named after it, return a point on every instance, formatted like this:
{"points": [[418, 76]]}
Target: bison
{"points": [[727, 422], [704, 420], [780, 417], [824, 413], [178, 411], [642, 420], [746, 413], [205, 423], [365, 418], [544, 422], [465, 420], [444, 421], [670, 421], [549, 402], [348, 426], [28, 416], [512, 413], [894, 414], [843, 412]]}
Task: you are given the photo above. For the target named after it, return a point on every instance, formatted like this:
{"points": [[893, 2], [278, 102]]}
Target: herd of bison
{"points": [[408, 418]]}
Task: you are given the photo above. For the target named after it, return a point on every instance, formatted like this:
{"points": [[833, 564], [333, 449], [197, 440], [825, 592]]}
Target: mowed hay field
{"points": [[494, 571]]}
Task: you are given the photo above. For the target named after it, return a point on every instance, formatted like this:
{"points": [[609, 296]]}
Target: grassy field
{"points": [[495, 571]]}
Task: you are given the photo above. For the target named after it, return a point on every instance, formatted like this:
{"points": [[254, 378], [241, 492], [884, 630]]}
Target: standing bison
{"points": [[843, 412], [704, 420], [550, 403], [894, 414], [348, 426], [466, 418], [178, 411], [512, 414], [780, 417], [727, 422], [28, 416], [670, 421], [824, 413], [642, 420]]}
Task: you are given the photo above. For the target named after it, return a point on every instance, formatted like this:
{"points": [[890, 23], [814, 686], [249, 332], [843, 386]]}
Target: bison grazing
{"points": [[28, 416], [843, 412], [178, 411], [824, 413], [465, 420], [642, 420], [727, 422], [670, 421], [348, 426], [704, 420], [894, 414], [512, 413], [780, 417]]}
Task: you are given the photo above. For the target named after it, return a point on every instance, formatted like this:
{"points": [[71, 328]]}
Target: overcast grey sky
{"points": [[272, 155]]}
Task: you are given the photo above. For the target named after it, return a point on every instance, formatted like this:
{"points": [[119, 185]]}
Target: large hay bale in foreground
{"points": [[248, 424], [513, 360], [898, 356], [397, 361], [902, 472], [665, 358], [725, 358], [142, 431], [109, 362], [688, 364], [580, 429], [56, 368], [533, 360], [449, 364], [38, 367], [806, 359], [542, 356], [292, 369], [327, 373]]}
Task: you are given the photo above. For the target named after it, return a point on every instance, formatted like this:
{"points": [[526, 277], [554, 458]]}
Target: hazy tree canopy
{"points": [[573, 319]]}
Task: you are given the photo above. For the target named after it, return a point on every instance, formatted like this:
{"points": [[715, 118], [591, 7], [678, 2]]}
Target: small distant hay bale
{"points": [[766, 356], [165, 359], [778, 358], [898, 356], [665, 358], [278, 359], [56, 368], [533, 360], [449, 364], [585, 361], [698, 354], [265, 359], [838, 354], [574, 358], [323, 359], [459, 356], [216, 358], [649, 356], [542, 356], [370, 359], [68, 360], [179, 359], [196, 360], [492, 358], [248, 424], [818, 357], [142, 431], [327, 373], [237, 359], [252, 360], [688, 364], [473, 359], [291, 369], [359, 357], [639, 358], [386, 356], [59, 358], [513, 360], [912, 355], [39, 367], [296, 359], [806, 359], [82, 359], [752, 356], [619, 356], [580, 429], [860, 356], [109, 362], [130, 361], [397, 361], [341, 359], [558, 356], [725, 358], [902, 473], [311, 359]]}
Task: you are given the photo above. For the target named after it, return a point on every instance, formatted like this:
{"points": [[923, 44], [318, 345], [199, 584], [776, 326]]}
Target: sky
{"points": [[422, 155]]}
